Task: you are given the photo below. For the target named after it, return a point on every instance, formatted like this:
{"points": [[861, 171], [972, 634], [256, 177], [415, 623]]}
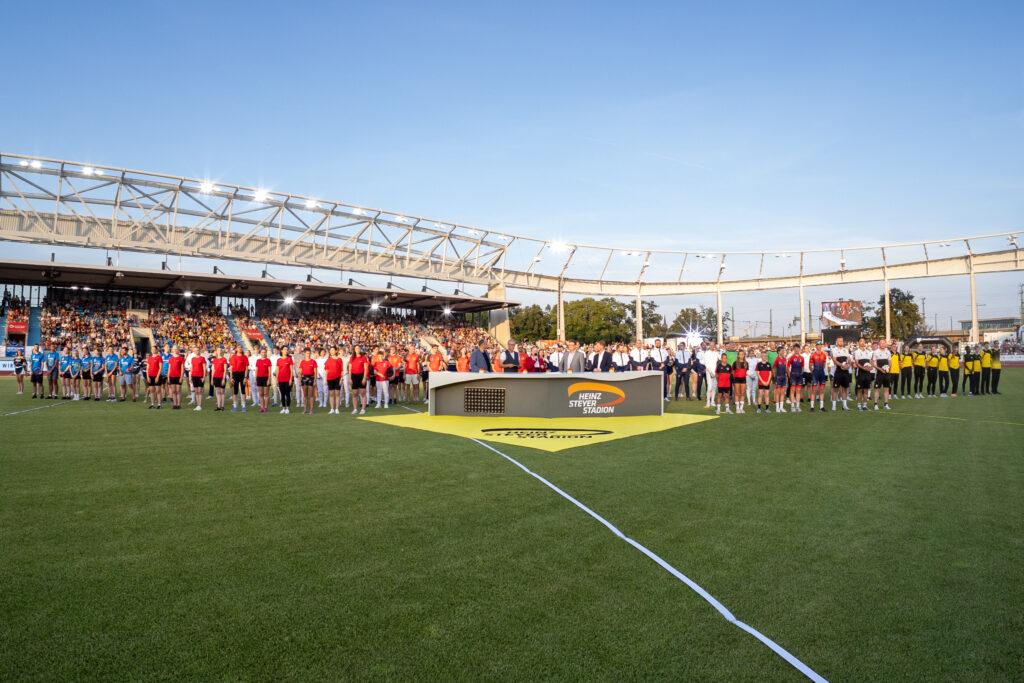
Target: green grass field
{"points": [[145, 545]]}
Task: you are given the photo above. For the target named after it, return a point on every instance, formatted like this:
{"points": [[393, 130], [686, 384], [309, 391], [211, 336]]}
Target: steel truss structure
{"points": [[51, 201]]}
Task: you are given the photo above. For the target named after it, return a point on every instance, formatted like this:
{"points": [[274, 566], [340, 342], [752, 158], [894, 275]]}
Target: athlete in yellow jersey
{"points": [[906, 373], [894, 375], [920, 360], [986, 368], [943, 374], [954, 369], [997, 369], [933, 372]]}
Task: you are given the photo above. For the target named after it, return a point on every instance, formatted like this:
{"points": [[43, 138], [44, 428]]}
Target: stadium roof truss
{"points": [[48, 201]]}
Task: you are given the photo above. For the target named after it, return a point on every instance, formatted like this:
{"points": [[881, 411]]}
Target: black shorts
{"points": [[425, 374], [218, 382], [238, 376], [309, 380], [175, 381], [153, 381], [198, 382], [261, 381], [882, 380], [66, 374], [37, 377], [358, 382], [739, 380], [807, 379], [864, 379], [334, 384], [162, 380], [85, 375], [841, 378], [53, 373], [763, 387], [725, 390]]}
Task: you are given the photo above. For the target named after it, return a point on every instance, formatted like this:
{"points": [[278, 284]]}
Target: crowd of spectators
{"points": [[78, 321], [321, 330], [185, 327]]}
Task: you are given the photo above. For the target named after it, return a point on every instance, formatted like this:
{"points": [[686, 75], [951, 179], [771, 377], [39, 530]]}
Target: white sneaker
{"points": [[363, 411], [198, 408], [354, 410]]}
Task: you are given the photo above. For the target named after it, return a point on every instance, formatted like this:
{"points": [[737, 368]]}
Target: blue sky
{"points": [[674, 125]]}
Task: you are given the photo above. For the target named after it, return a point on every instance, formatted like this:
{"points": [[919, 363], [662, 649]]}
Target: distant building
{"points": [[992, 324]]}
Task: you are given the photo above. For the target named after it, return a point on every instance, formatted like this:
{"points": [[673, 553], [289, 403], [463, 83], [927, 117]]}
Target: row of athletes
{"points": [[83, 375], [872, 370]]}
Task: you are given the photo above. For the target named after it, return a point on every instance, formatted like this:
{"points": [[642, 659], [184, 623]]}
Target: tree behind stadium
{"points": [[702, 320], [904, 320]]}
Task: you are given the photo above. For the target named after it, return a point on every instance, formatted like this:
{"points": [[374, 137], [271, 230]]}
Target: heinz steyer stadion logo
{"points": [[595, 398]]}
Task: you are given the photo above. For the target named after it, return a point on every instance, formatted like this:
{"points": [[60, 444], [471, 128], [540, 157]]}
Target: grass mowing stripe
{"points": [[722, 609]]}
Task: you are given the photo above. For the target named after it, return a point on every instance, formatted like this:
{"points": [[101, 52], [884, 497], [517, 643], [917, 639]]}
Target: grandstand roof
{"points": [[45, 273]]}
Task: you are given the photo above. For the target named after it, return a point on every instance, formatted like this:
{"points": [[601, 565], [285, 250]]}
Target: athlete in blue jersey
{"points": [[126, 374], [64, 363], [110, 364], [96, 361], [37, 362], [165, 358], [76, 376], [52, 370]]}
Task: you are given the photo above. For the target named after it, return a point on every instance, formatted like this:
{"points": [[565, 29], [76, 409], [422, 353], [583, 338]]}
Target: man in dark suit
{"points": [[600, 360], [480, 360]]}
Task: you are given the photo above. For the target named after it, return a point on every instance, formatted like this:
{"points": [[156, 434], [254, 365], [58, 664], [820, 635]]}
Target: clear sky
{"points": [[677, 125]]}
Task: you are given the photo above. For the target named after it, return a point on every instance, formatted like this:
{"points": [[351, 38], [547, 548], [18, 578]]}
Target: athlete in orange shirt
{"points": [[412, 374]]}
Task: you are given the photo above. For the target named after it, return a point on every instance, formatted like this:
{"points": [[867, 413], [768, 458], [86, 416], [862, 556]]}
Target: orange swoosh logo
{"points": [[598, 386]]}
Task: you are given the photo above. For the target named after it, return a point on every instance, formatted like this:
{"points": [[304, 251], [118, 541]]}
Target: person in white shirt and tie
{"points": [[659, 362], [555, 358], [638, 357], [620, 359]]}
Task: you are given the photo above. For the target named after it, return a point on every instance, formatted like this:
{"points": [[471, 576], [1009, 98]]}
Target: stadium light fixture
{"points": [[536, 259], [1012, 239], [944, 244], [187, 294], [259, 195], [289, 300], [312, 204], [23, 162], [86, 289], [401, 219], [358, 212], [374, 306], [447, 310], [558, 246], [783, 255], [36, 163], [439, 225], [206, 187], [87, 170], [99, 171], [75, 287], [473, 233]]}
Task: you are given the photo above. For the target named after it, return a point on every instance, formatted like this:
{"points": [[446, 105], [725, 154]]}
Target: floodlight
{"points": [[473, 233], [312, 204], [447, 310], [401, 219], [558, 246], [944, 244], [289, 300], [23, 162], [206, 187], [37, 164], [260, 195], [187, 294], [375, 305], [438, 225], [99, 171], [87, 170], [358, 212]]}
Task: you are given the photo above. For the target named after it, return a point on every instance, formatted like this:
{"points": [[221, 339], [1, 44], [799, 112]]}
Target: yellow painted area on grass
{"points": [[554, 434]]}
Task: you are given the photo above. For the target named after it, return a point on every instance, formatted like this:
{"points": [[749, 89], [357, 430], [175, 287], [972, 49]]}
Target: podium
{"points": [[547, 394]]}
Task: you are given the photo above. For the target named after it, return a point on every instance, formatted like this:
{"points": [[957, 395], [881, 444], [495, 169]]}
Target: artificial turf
{"points": [[160, 545]]}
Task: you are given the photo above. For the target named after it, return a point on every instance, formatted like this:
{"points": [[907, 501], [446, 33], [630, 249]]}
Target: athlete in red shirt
{"points": [[380, 374], [435, 363], [239, 364], [284, 379], [219, 374], [307, 371], [357, 370], [333, 367], [412, 374], [175, 367], [153, 365], [197, 373], [263, 365]]}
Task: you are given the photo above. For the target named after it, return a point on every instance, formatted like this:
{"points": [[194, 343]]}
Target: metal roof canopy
{"points": [[46, 273]]}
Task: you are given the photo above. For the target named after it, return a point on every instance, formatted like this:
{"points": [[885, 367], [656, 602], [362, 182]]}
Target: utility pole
{"points": [[771, 332]]}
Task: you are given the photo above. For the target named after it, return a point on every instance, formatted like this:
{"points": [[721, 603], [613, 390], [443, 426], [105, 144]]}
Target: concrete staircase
{"points": [[35, 326], [237, 333], [263, 331]]}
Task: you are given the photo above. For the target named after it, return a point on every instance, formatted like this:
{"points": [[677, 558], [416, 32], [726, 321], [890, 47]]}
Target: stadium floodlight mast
{"points": [[50, 201]]}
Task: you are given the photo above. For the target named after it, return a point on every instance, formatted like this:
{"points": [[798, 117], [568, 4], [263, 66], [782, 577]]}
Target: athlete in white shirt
{"points": [[843, 360], [881, 358], [321, 379], [710, 360], [865, 373], [274, 357]]}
